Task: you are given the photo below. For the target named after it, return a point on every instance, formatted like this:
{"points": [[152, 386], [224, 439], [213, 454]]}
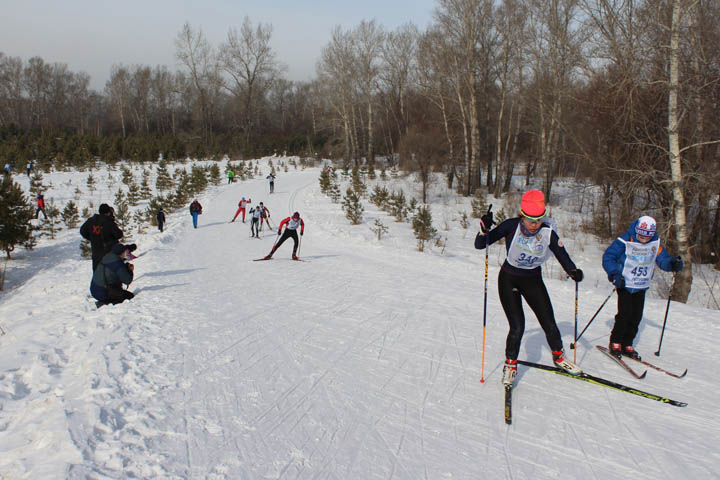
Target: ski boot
{"points": [[268, 256], [509, 372], [561, 362], [615, 349], [629, 351], [295, 257]]}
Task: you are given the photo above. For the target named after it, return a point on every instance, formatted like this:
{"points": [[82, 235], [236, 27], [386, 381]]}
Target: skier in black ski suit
{"points": [[530, 240]]}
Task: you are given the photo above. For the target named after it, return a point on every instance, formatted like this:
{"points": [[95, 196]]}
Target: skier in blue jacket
{"points": [[630, 262]]}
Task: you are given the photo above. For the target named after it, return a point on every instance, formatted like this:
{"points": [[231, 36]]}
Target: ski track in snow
{"points": [[364, 363]]}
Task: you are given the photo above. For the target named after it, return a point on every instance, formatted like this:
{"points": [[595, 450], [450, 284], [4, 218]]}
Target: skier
{"points": [[7, 169], [108, 278], [255, 219], [195, 210], [629, 262], [102, 231], [530, 240], [271, 178], [264, 215], [160, 219], [291, 225], [231, 176], [40, 206], [29, 167], [242, 204]]}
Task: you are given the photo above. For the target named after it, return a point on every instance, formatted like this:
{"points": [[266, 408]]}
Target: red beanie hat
{"points": [[533, 204]]}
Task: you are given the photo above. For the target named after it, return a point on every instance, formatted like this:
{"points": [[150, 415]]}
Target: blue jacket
{"points": [[110, 272], [613, 260]]}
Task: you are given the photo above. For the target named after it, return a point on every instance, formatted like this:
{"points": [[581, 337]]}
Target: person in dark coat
{"points": [[102, 232], [160, 219], [195, 210], [110, 275]]}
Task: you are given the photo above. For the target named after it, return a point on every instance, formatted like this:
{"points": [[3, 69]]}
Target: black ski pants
{"points": [[627, 320], [513, 289], [288, 234]]}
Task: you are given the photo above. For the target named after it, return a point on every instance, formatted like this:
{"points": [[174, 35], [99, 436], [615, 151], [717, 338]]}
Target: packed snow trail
{"points": [[362, 363]]}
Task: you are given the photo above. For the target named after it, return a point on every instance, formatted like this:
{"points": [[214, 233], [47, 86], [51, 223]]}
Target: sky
{"points": [[364, 361], [93, 35]]}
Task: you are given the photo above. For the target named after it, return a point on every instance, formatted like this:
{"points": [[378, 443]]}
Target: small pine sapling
{"points": [[379, 228], [353, 207], [70, 215], [422, 227]]}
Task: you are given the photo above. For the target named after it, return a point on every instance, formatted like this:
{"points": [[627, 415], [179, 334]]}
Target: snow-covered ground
{"points": [[363, 362]]}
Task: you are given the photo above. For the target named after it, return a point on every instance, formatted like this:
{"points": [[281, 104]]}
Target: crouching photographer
{"points": [[112, 272]]}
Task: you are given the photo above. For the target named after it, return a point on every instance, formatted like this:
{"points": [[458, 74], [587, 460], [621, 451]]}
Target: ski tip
{"points": [[681, 376], [643, 375]]}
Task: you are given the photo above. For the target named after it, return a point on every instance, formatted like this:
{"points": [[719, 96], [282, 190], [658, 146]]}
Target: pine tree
{"points": [[145, 191], [479, 203], [215, 177], [422, 227], [352, 206], [397, 205], [380, 229], [15, 215], [379, 196], [70, 215], [36, 183], [51, 225], [163, 181], [127, 176], [198, 180], [324, 181], [90, 182], [133, 195]]}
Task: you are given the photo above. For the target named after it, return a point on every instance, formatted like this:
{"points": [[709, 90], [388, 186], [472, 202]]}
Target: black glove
{"points": [[677, 264], [487, 221], [577, 275], [617, 279], [279, 231], [132, 247], [301, 234]]}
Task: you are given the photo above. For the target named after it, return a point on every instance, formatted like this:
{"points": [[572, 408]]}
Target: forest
{"points": [[618, 95]]}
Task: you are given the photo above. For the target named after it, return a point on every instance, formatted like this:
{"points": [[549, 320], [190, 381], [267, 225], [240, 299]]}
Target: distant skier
{"points": [[271, 179], [242, 205], [264, 215], [291, 225], [255, 219], [160, 219], [195, 210], [629, 262], [40, 206], [530, 241], [111, 273]]}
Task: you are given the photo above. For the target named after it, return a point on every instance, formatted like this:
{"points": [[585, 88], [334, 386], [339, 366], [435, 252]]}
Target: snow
{"points": [[363, 362]]}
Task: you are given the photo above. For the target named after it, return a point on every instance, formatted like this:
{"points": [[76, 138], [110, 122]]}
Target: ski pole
{"points": [[667, 308], [573, 345], [299, 245], [576, 311], [487, 247]]}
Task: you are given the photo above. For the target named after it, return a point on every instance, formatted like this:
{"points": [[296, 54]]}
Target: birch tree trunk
{"points": [[683, 279]]}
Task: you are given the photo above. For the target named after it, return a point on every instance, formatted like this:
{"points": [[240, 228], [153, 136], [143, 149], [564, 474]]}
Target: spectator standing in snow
{"points": [[242, 205], [530, 240], [29, 167], [40, 206], [111, 273], [7, 169], [231, 176], [630, 263], [271, 179], [291, 225], [195, 210], [160, 219], [102, 232]]}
